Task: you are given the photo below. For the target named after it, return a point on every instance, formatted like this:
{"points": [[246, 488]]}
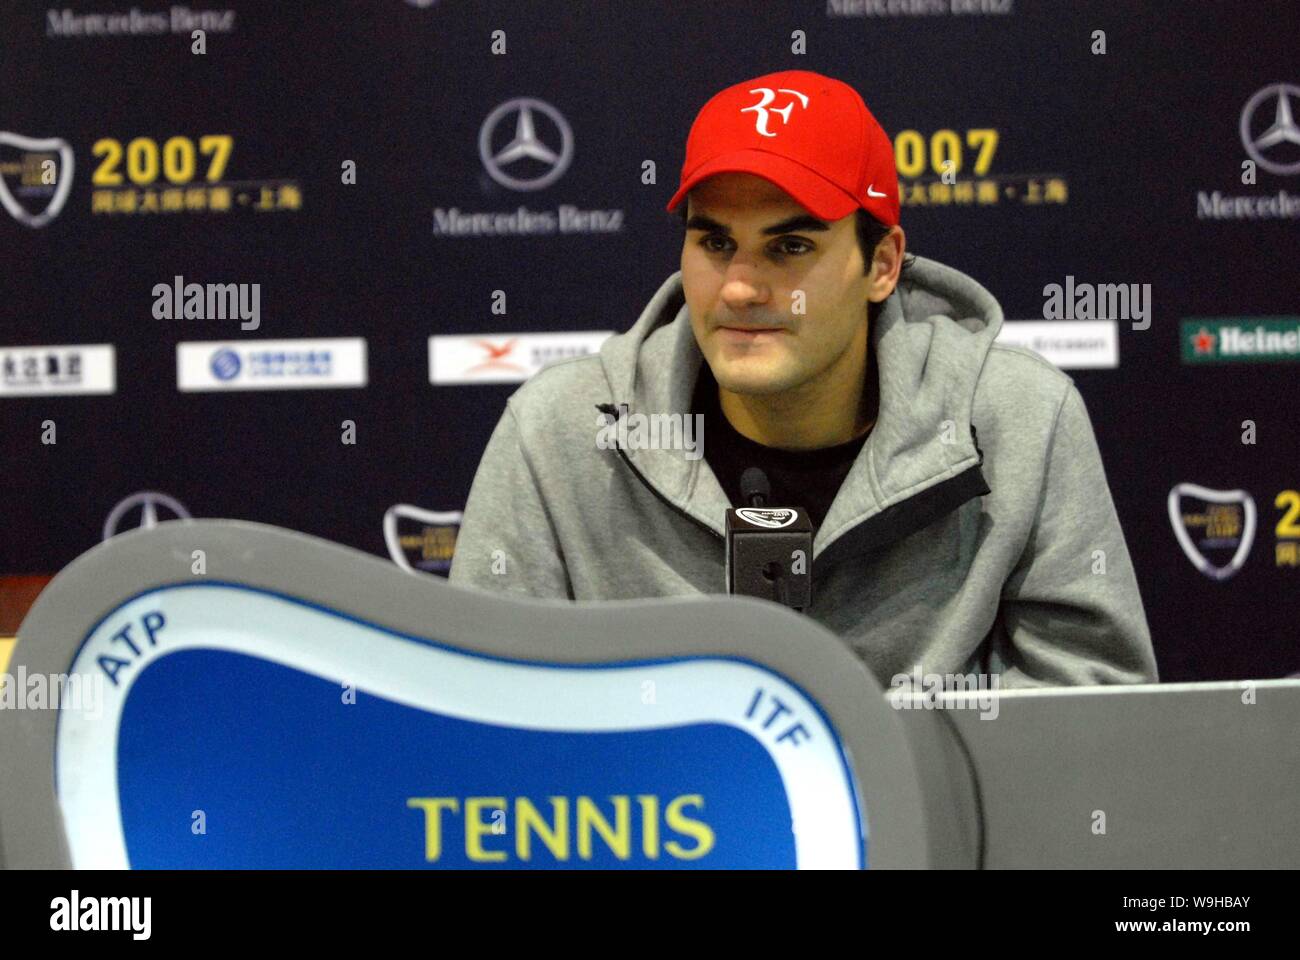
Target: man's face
{"points": [[751, 256]]}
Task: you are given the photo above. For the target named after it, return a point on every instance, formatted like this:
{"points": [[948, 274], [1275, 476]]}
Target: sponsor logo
{"points": [[72, 369], [225, 364], [1223, 527], [504, 357], [1273, 106], [526, 149], [773, 519], [918, 8], [149, 502], [41, 173], [1069, 344], [421, 540], [271, 364], [1216, 206], [566, 218], [1240, 339], [65, 24], [525, 145], [1271, 139]]}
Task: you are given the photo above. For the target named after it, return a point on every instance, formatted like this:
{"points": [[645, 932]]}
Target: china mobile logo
{"points": [[762, 113]]}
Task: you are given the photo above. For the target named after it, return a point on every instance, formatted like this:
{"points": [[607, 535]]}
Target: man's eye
{"points": [[707, 243], [793, 246]]}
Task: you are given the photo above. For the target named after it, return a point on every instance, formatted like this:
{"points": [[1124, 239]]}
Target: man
{"points": [[963, 521]]}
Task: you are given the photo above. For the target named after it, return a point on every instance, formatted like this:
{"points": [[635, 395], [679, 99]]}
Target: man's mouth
{"points": [[753, 329], [749, 334]]}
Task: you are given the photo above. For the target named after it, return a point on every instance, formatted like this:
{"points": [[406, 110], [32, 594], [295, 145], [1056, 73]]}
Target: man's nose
{"points": [[744, 285]]}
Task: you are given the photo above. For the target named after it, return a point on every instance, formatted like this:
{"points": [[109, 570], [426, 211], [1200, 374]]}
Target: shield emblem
{"points": [[24, 191], [421, 540], [1215, 528]]}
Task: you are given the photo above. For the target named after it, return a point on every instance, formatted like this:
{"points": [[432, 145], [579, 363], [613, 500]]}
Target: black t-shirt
{"points": [[799, 478]]}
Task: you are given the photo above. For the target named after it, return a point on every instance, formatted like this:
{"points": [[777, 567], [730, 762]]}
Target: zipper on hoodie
{"points": [[610, 409], [613, 411]]}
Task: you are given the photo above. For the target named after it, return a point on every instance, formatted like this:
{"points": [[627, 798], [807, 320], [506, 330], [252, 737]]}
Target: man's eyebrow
{"points": [[793, 224]]}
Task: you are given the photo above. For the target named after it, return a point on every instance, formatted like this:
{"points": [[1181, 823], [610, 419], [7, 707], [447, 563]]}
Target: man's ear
{"points": [[886, 265]]}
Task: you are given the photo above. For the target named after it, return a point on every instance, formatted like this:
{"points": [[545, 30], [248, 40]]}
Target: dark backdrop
{"points": [[403, 88]]}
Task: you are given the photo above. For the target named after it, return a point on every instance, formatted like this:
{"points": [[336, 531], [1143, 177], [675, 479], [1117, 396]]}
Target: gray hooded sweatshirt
{"points": [[974, 533]]}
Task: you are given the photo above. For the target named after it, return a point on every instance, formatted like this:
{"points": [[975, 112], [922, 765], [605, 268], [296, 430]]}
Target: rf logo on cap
{"points": [[760, 108]]}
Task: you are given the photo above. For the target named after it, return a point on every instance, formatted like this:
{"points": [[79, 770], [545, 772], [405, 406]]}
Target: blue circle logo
{"points": [[225, 364]]}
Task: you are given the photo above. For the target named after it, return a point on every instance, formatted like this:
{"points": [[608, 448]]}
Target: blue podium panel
{"points": [[234, 726]]}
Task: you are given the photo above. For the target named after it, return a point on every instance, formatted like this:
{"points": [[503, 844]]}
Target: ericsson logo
{"points": [[225, 364], [1276, 148], [526, 162]]}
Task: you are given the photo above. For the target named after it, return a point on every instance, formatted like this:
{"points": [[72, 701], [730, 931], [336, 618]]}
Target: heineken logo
{"points": [[1233, 339]]}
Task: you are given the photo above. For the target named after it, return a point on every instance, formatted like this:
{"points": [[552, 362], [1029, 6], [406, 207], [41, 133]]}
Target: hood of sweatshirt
{"points": [[921, 459]]}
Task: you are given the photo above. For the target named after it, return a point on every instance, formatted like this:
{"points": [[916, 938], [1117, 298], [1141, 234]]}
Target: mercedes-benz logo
{"points": [[526, 144], [149, 501], [1282, 130]]}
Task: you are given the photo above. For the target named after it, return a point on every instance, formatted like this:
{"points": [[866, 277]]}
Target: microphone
{"points": [[769, 549], [754, 488]]}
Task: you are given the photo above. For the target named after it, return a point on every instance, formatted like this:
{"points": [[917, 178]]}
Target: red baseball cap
{"points": [[810, 135]]}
